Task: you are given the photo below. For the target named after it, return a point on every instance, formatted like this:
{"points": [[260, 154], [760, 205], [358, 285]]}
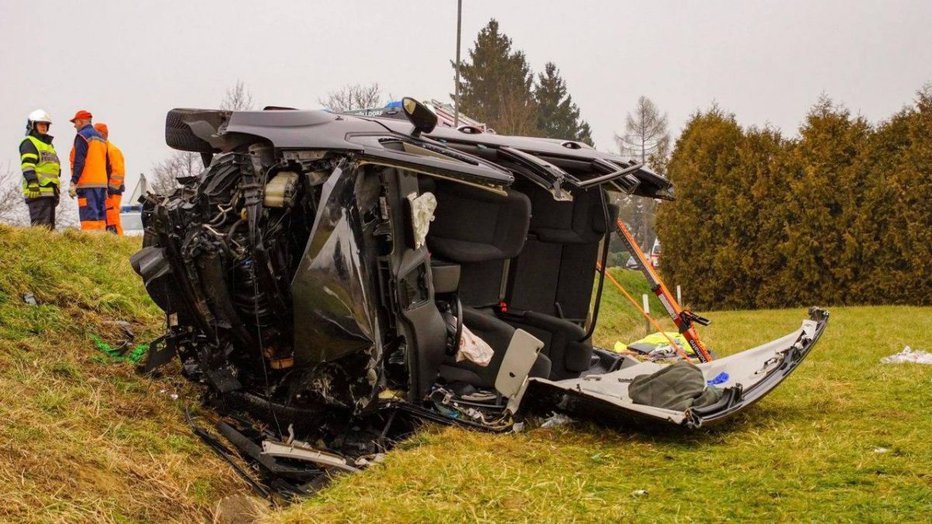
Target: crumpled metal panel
{"points": [[332, 311]]}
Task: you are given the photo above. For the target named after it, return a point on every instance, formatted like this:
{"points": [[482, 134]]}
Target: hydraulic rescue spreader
{"points": [[683, 318]]}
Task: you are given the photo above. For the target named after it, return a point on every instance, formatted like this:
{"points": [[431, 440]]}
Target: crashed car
{"points": [[338, 277]]}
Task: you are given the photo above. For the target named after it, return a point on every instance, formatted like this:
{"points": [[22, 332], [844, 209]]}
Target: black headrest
{"points": [[476, 225], [581, 221]]}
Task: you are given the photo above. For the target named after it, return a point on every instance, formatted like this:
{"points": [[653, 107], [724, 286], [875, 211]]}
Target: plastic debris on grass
{"points": [[557, 419], [908, 356], [171, 395], [123, 353]]}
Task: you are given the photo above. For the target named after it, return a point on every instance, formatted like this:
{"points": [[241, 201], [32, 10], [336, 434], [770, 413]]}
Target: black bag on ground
{"points": [[678, 386]]}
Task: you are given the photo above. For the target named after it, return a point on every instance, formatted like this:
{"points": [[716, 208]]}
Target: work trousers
{"points": [[113, 214], [42, 211], [92, 208]]}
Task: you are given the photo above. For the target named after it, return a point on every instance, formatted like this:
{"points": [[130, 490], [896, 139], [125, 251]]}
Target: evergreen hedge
{"points": [[841, 214]]}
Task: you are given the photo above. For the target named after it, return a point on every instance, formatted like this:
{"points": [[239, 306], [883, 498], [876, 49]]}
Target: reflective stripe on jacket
{"points": [[117, 169], [39, 162], [90, 166]]}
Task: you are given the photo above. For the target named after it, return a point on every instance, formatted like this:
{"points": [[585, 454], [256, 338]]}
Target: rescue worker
{"points": [[90, 170], [41, 170], [115, 185]]}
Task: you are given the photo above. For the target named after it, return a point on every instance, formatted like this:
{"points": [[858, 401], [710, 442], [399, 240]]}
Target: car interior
{"points": [[518, 260]]}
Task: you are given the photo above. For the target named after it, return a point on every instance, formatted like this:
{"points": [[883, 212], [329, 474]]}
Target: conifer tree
{"points": [[691, 227], [751, 224], [557, 115], [838, 216], [913, 226], [822, 255], [495, 84], [761, 219], [896, 225]]}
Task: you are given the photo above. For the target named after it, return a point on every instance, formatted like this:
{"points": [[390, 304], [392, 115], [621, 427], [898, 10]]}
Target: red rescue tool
{"points": [[683, 318]]}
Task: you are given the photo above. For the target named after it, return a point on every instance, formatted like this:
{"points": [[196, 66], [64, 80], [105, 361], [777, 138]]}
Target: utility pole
{"points": [[459, 26]]}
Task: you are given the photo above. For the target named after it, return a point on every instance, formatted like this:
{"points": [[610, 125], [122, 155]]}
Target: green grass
{"points": [[804, 453], [618, 319], [82, 440]]}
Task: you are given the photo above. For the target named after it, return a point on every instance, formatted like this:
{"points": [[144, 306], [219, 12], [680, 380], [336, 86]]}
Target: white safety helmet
{"points": [[39, 115]]}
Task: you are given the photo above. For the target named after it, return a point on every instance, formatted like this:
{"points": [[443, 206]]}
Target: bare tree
{"points": [[646, 139], [164, 177], [237, 98], [12, 205], [67, 213], [645, 132], [355, 96]]}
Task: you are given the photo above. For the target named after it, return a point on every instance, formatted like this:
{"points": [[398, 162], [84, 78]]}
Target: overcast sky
{"points": [[767, 62]]}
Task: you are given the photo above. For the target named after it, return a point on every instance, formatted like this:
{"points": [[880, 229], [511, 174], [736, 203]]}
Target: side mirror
{"points": [[423, 119]]}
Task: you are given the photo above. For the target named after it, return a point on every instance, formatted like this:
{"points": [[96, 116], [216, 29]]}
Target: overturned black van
{"points": [[328, 272]]}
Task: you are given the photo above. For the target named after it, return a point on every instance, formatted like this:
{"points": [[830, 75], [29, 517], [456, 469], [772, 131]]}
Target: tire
{"points": [[178, 134]]}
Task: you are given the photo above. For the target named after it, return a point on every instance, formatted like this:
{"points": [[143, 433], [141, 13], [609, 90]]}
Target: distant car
{"points": [[324, 273], [655, 255], [131, 219]]}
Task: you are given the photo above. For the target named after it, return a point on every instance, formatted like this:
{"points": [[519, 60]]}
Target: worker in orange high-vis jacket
{"points": [[90, 171], [115, 186]]}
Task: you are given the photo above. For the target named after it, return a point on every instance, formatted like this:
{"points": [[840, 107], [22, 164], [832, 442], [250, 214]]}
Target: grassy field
{"points": [[844, 439], [86, 440]]}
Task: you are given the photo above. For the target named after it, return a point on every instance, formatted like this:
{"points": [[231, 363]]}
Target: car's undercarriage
{"points": [[320, 277]]}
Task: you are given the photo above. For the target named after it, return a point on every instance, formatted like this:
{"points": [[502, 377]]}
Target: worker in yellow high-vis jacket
{"points": [[41, 170]]}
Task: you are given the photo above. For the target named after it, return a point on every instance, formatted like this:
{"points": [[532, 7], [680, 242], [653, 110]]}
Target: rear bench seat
{"points": [[551, 280]]}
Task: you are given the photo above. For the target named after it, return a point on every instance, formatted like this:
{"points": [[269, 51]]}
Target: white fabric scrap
{"points": [[474, 349], [422, 214], [908, 355]]}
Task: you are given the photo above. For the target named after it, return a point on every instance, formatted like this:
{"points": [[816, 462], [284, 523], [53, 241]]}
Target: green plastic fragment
{"points": [[134, 355]]}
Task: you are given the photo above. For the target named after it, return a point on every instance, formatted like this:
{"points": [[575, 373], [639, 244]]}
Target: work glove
{"points": [[72, 192], [32, 190]]}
